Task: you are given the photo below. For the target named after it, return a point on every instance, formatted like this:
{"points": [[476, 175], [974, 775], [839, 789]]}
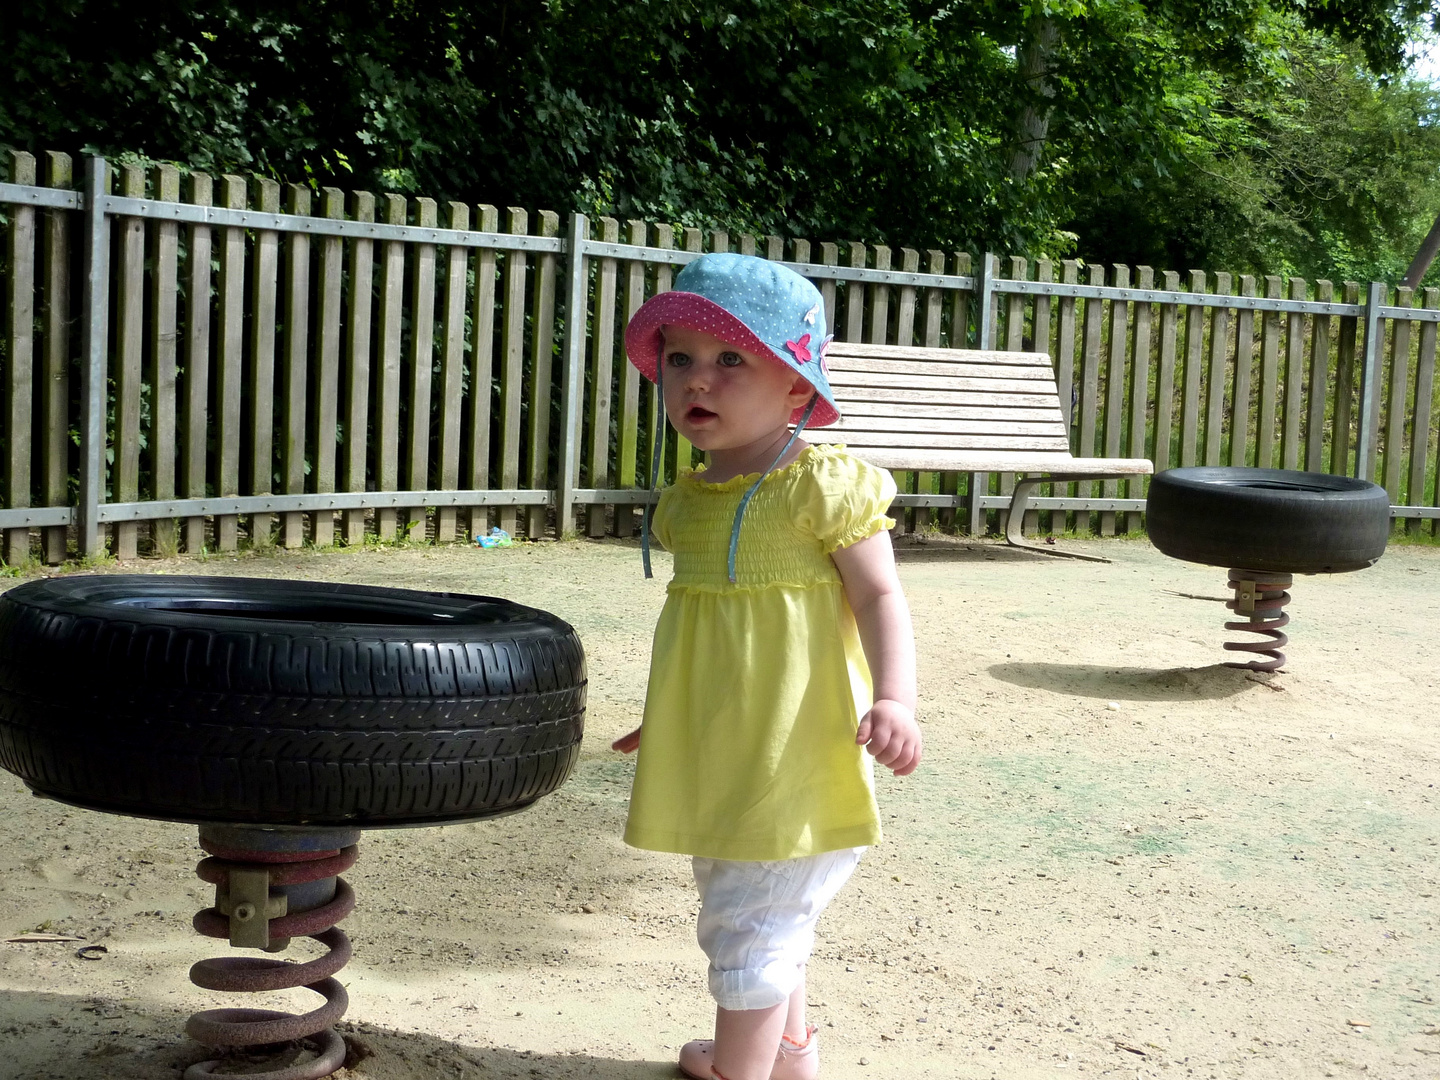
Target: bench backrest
{"points": [[898, 400]]}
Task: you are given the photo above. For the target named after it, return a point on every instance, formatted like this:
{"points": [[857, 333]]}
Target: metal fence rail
{"points": [[352, 363]]}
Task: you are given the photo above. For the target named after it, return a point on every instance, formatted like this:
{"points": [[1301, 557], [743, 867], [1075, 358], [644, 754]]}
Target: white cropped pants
{"points": [[757, 922]]}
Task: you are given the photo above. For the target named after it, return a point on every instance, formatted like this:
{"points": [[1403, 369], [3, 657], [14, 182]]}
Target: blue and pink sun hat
{"points": [[754, 305], [750, 303]]}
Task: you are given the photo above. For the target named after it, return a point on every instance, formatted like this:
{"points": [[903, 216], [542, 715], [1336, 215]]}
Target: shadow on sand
{"points": [[912, 549], [1131, 684], [61, 1037]]}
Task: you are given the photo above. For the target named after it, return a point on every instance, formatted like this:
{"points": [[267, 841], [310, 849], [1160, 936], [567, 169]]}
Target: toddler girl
{"points": [[784, 608]]}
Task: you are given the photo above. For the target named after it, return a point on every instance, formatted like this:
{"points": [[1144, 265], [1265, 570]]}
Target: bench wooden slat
{"points": [[898, 441], [998, 357], [901, 425], [945, 371], [1038, 462], [899, 410], [844, 395], [942, 382]]}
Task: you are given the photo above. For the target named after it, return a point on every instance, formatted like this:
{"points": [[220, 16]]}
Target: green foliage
{"points": [[1260, 133]]}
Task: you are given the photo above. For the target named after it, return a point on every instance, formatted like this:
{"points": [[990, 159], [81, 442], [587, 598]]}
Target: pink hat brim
{"points": [[643, 339]]}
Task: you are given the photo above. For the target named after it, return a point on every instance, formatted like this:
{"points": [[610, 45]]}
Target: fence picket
{"points": [[325, 411], [1065, 345], [1424, 399], [1317, 385], [295, 369], [855, 297], [20, 357], [198, 248], [360, 310], [1165, 377], [1194, 360], [482, 370], [260, 388], [1113, 427], [1014, 339], [1345, 356], [55, 391], [1090, 361], [1269, 376], [684, 452], [930, 336], [1395, 407], [231, 367], [542, 371], [128, 366], [1139, 388], [452, 372], [387, 374], [1064, 360], [653, 409], [512, 364], [165, 244], [830, 256], [960, 305], [1294, 378], [1244, 373], [421, 364], [627, 450], [602, 371], [1215, 374], [905, 310]]}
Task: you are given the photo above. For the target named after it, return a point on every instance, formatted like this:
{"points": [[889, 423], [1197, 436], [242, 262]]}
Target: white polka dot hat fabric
{"points": [[751, 303]]}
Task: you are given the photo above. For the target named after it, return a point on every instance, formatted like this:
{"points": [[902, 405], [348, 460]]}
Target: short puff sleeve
{"points": [[660, 518], [841, 499]]}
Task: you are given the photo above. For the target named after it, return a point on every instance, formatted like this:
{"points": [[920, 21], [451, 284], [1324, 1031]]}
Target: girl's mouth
{"points": [[698, 412]]}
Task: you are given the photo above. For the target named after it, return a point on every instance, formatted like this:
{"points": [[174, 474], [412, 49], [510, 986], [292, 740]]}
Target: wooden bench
{"points": [[959, 410]]}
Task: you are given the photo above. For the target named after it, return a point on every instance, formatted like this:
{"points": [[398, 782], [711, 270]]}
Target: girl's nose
{"points": [[697, 376]]}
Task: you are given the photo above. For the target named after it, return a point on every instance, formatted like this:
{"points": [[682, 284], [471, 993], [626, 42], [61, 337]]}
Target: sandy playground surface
{"points": [[1118, 859]]}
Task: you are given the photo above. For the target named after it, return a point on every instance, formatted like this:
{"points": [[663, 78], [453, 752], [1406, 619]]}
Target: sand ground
{"points": [[1118, 859]]}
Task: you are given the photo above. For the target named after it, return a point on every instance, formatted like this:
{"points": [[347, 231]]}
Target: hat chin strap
{"points": [[745, 500], [656, 452]]}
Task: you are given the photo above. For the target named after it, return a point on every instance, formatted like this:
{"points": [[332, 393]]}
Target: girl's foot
{"points": [[793, 1061]]}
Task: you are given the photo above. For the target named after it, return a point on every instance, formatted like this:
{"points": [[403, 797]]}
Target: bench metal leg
{"points": [[1014, 535]]}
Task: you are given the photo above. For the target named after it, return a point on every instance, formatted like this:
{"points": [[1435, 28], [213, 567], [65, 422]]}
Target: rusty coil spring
{"points": [[253, 974], [1261, 598]]}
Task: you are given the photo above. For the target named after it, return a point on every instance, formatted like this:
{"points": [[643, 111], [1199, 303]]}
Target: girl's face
{"points": [[723, 398]]}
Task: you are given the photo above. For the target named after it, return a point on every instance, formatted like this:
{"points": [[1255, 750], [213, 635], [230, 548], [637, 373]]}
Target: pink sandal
{"points": [[793, 1061]]}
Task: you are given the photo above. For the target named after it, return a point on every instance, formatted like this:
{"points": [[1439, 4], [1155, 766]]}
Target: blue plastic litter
{"points": [[498, 538]]}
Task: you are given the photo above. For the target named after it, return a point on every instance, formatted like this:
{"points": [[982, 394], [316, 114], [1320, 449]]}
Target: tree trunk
{"points": [[1423, 258], [1041, 36]]}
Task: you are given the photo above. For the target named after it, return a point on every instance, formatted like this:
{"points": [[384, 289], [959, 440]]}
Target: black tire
{"points": [[285, 702], [1268, 519]]}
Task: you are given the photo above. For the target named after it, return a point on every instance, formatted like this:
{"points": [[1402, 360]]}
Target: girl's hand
{"points": [[890, 733], [627, 744]]}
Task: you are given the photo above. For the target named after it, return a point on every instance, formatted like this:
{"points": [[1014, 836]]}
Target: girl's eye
{"points": [[678, 359], [731, 359]]}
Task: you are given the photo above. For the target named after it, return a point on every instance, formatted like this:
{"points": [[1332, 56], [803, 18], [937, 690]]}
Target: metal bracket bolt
{"points": [[246, 899]]}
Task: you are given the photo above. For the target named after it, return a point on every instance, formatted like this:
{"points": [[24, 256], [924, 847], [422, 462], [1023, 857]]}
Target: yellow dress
{"points": [[747, 749]]}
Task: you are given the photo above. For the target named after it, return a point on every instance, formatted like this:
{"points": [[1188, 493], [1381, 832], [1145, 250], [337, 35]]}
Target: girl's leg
{"points": [[745, 1041], [795, 1013]]}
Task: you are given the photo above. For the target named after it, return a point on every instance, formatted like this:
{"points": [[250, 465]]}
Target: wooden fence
{"points": [[187, 361]]}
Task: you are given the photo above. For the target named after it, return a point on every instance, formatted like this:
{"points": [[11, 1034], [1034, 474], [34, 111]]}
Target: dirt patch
{"points": [[1119, 858]]}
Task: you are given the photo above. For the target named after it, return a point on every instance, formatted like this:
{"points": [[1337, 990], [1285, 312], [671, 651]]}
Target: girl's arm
{"points": [[872, 587]]}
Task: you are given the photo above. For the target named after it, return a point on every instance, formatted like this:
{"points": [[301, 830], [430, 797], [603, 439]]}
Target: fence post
{"points": [[984, 322], [985, 302], [95, 326], [1370, 385], [572, 393]]}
